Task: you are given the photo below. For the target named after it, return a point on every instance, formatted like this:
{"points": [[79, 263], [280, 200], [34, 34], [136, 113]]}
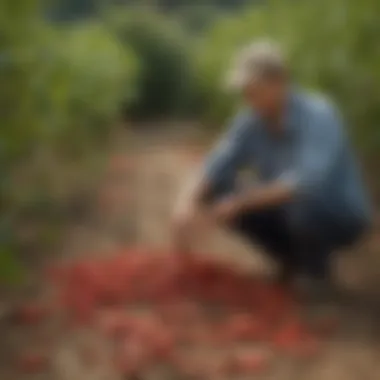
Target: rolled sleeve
{"points": [[318, 151], [224, 160]]}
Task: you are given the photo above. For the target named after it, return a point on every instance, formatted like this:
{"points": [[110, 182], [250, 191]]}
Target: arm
{"points": [[221, 165], [318, 149]]}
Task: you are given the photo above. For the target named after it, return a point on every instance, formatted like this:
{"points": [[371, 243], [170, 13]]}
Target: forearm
{"points": [[189, 213], [266, 196], [193, 194]]}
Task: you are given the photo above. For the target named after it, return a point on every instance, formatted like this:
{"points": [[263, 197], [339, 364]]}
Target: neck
{"points": [[275, 118]]}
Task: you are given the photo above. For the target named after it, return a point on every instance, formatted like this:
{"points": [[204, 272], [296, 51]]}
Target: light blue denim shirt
{"points": [[313, 154]]}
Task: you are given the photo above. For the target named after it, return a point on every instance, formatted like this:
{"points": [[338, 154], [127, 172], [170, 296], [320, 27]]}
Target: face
{"points": [[266, 96]]}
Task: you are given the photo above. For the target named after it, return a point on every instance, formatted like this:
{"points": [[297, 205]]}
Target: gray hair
{"points": [[257, 61]]}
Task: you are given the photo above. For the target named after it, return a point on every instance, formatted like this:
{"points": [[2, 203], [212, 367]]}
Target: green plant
{"points": [[164, 54], [62, 90]]}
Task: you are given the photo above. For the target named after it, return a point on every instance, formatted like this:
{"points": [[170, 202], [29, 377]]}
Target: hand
{"points": [[225, 210], [181, 226], [188, 223]]}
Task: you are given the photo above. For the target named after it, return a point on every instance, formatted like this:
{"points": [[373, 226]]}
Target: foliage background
{"points": [[72, 69]]}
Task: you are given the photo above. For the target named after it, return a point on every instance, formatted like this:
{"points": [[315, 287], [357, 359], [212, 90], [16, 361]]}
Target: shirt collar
{"points": [[291, 111]]}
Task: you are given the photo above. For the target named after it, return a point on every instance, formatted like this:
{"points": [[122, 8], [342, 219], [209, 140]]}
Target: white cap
{"points": [[254, 62]]}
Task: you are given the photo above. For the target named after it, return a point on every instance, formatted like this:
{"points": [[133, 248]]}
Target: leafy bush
{"points": [[61, 92], [92, 76], [164, 53]]}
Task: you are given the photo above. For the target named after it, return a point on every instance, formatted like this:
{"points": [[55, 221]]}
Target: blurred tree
{"points": [[198, 18], [78, 9], [98, 75], [73, 9], [61, 92], [163, 51], [176, 4]]}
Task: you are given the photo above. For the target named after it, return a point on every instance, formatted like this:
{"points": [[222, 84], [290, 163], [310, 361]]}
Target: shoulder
{"points": [[318, 106], [246, 116], [243, 122], [321, 114]]}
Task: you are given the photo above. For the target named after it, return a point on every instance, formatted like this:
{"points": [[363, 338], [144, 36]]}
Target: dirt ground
{"points": [[132, 206]]}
